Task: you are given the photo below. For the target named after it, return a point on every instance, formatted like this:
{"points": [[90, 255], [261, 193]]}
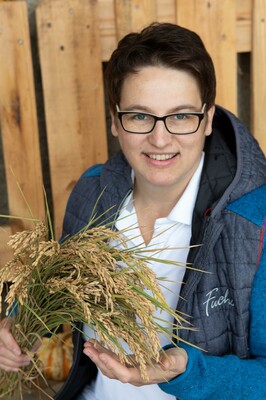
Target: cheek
{"points": [[131, 145], [192, 145], [128, 144]]}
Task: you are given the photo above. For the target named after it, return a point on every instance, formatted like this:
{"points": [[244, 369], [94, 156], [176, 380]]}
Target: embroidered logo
{"points": [[214, 300]]}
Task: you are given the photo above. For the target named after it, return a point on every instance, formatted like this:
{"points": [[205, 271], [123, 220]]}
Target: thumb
{"points": [[166, 362], [7, 338], [174, 359]]}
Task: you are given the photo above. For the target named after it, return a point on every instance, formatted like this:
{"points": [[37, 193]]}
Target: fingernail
{"points": [[88, 353]]}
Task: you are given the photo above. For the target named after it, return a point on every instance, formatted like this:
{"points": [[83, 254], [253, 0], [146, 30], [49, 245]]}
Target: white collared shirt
{"points": [[173, 234]]}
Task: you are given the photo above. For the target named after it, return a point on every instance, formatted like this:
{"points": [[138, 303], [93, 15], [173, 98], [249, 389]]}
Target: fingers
{"points": [[172, 363], [6, 339], [96, 345], [11, 358], [109, 364]]}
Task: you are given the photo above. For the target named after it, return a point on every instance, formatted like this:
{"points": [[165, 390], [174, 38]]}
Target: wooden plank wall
{"points": [[70, 56], [18, 114], [216, 24], [74, 38], [259, 71]]}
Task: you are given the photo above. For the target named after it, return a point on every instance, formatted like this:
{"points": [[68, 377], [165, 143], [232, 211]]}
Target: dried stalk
{"points": [[84, 279]]}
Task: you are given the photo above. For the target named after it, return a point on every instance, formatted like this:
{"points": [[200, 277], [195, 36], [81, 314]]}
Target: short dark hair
{"points": [[163, 44]]}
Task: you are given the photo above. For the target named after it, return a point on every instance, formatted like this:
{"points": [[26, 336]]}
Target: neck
{"points": [[157, 201], [151, 205]]}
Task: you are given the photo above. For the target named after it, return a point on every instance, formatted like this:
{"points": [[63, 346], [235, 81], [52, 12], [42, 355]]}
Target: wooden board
{"points": [[18, 115], [259, 72], [243, 25], [165, 12], [6, 252], [133, 15], [215, 22], [70, 56]]}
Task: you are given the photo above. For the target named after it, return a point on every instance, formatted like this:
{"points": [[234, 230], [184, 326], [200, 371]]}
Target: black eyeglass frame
{"points": [[199, 114]]}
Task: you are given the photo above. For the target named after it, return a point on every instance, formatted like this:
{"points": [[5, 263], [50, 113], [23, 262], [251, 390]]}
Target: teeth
{"points": [[161, 157]]}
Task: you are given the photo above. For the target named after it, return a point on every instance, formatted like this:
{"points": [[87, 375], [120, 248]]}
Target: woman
{"points": [[194, 168]]}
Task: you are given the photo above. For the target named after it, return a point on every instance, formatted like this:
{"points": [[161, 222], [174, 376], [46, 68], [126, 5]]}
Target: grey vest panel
{"points": [[218, 299]]}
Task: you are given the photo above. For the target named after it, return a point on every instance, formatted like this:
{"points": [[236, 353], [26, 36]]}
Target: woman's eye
{"points": [[140, 117], [180, 116]]}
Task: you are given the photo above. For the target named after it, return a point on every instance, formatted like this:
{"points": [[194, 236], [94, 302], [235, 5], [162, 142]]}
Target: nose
{"points": [[159, 136]]}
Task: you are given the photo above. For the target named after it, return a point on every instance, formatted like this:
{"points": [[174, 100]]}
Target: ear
{"points": [[210, 115], [114, 125]]}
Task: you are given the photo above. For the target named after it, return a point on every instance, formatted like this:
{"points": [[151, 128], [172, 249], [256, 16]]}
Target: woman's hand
{"points": [[172, 364], [11, 357]]}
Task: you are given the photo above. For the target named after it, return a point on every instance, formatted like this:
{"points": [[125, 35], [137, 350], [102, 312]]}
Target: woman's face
{"points": [[161, 159]]}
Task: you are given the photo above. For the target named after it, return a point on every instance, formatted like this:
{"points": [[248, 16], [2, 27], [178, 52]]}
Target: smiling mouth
{"points": [[161, 157]]}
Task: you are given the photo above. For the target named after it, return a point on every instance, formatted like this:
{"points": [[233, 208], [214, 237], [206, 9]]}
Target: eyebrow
{"points": [[177, 109]]}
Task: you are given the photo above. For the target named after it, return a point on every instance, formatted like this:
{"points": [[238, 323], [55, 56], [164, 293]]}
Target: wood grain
{"points": [[259, 72], [133, 15], [215, 21], [166, 11], [6, 252], [18, 115], [70, 56]]}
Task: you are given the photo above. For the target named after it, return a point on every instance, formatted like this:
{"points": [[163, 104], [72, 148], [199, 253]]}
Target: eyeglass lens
{"points": [[175, 123]]}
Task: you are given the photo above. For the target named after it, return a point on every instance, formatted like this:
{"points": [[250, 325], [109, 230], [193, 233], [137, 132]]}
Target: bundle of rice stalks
{"points": [[84, 279]]}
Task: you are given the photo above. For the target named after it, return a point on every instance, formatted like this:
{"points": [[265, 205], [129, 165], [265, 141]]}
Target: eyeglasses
{"points": [[177, 124]]}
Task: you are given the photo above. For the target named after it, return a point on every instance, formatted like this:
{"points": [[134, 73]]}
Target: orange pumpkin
{"points": [[56, 355]]}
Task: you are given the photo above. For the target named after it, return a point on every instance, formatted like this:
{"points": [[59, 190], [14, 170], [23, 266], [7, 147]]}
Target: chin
{"points": [[161, 183]]}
